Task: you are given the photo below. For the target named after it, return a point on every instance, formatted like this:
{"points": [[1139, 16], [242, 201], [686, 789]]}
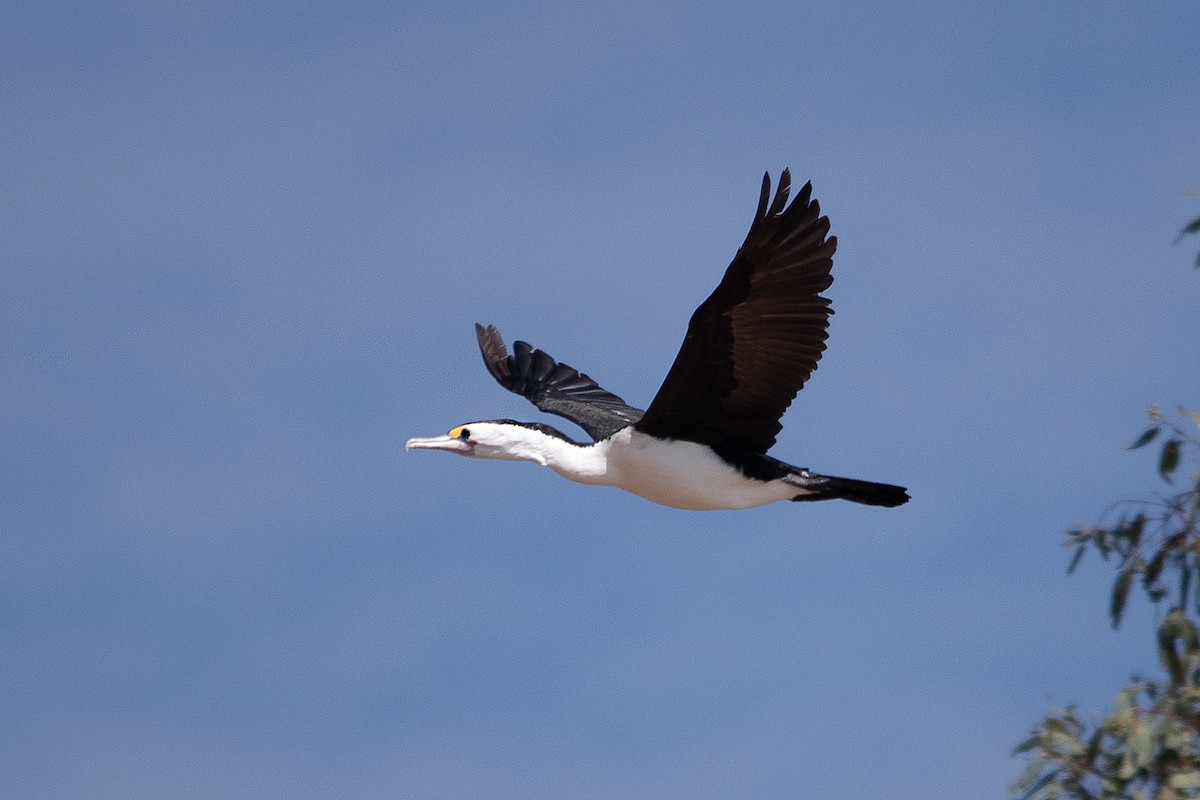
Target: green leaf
{"points": [[1033, 790], [1185, 582], [1024, 747], [1185, 780], [1029, 776], [1093, 748], [1125, 703], [1128, 767], [1177, 630], [1145, 438], [1130, 531], [1154, 568], [1141, 747], [1188, 633], [1120, 595], [1191, 227], [1169, 459], [1075, 559]]}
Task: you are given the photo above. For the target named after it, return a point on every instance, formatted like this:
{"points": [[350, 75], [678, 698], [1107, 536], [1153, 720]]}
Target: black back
{"points": [[754, 342], [553, 387]]}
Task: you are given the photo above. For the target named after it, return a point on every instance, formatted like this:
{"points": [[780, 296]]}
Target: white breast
{"points": [[682, 475]]}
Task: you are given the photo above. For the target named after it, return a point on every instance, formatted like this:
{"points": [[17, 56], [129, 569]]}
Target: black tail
{"points": [[825, 487]]}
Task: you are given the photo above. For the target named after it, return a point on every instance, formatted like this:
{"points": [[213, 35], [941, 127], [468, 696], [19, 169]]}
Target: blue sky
{"points": [[242, 246]]}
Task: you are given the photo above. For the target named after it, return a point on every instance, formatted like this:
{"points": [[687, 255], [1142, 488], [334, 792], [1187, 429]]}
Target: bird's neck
{"points": [[582, 463]]}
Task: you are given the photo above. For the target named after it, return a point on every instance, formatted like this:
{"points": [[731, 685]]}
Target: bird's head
{"points": [[502, 439], [464, 440]]}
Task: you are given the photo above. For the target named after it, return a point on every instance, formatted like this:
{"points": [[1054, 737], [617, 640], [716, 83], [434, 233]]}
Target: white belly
{"points": [[683, 475]]}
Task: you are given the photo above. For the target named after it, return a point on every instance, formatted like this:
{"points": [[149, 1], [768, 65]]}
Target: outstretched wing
{"points": [[753, 343], [554, 388]]}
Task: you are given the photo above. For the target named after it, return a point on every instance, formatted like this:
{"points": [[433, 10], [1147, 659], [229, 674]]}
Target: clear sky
{"points": [[242, 246]]}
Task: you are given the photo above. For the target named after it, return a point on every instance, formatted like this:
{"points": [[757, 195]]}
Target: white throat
{"points": [[581, 463]]}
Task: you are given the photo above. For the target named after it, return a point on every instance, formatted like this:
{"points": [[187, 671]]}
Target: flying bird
{"points": [[702, 444]]}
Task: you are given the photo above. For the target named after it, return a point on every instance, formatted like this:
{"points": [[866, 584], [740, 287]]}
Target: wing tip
{"points": [[494, 352], [487, 332], [764, 197]]}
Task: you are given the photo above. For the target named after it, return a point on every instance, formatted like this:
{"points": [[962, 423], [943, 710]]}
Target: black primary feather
{"points": [[553, 387]]}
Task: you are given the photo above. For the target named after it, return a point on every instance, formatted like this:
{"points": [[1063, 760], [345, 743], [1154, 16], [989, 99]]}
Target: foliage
{"points": [[1149, 747], [1156, 536]]}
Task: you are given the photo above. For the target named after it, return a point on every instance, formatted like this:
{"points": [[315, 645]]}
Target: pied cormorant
{"points": [[702, 444]]}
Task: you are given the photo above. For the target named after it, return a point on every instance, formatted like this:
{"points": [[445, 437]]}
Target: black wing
{"points": [[753, 343], [554, 388]]}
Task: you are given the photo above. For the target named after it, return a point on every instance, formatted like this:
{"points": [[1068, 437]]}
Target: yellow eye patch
{"points": [[456, 432]]}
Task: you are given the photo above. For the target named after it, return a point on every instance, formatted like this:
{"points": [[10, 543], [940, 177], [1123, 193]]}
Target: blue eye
{"points": [[464, 434]]}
